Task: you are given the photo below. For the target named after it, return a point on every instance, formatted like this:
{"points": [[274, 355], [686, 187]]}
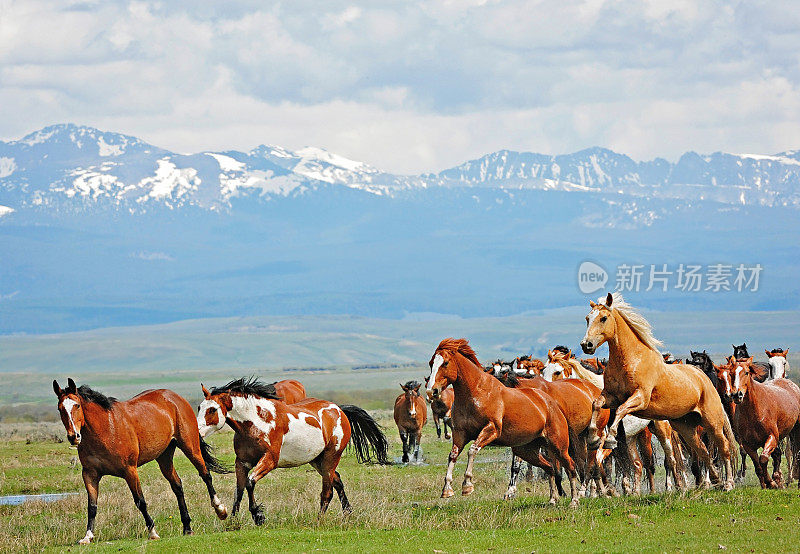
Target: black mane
{"points": [[90, 395], [777, 350], [411, 385], [508, 378], [249, 385], [527, 357], [563, 349]]}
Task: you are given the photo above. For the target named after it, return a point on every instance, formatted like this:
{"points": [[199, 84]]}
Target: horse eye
{"points": [[603, 319], [212, 410]]}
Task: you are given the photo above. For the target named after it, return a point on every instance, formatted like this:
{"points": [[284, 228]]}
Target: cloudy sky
{"points": [[409, 86]]}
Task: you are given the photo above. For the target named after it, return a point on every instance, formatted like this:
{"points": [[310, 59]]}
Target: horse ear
{"points": [[206, 392], [71, 388], [785, 352], [768, 353], [418, 386], [609, 299], [57, 389], [592, 304]]}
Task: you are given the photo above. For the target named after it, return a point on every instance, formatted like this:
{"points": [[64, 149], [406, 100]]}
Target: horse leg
{"points": [[448, 421], [777, 475], [717, 434], [756, 464], [438, 427], [691, 435], [241, 484], [91, 479], [743, 469], [637, 401], [516, 464], [579, 453], [417, 441], [404, 438], [532, 454], [167, 468], [766, 452], [560, 452], [636, 462], [132, 478], [458, 444], [486, 436], [190, 446], [266, 464], [645, 440], [663, 432], [339, 487]]}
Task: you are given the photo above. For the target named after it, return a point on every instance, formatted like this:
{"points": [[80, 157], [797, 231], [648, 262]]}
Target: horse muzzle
{"points": [[74, 438], [738, 397], [588, 347]]}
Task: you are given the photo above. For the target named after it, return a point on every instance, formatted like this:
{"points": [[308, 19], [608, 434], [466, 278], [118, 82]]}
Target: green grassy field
{"points": [[396, 509]]}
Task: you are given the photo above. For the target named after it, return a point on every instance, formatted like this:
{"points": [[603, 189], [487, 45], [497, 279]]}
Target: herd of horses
{"points": [[563, 415]]}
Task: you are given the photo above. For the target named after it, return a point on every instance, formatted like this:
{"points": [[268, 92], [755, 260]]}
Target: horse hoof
{"points": [[188, 532], [552, 501], [728, 486], [573, 503], [85, 540], [222, 511], [465, 491], [510, 494], [447, 493], [153, 535]]}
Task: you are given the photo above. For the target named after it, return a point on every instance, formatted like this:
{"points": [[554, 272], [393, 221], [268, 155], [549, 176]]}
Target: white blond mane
{"points": [[640, 326]]}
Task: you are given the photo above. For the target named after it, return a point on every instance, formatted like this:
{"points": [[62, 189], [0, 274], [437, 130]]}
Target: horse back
{"points": [[310, 414], [290, 390]]}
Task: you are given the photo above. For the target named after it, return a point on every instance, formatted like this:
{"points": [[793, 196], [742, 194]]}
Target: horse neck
{"points": [[96, 422], [624, 345], [587, 375], [468, 378], [245, 409]]}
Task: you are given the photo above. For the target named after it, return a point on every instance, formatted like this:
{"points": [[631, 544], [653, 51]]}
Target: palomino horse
{"points": [[486, 412], [637, 381], [114, 438], [761, 371], [442, 408], [562, 366], [270, 433], [290, 391], [765, 415], [410, 415], [575, 398], [777, 363]]}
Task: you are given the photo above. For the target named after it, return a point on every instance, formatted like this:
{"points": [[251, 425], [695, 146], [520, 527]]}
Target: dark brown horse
{"points": [[410, 415], [115, 438], [290, 391], [270, 433], [528, 420], [765, 415], [441, 408]]}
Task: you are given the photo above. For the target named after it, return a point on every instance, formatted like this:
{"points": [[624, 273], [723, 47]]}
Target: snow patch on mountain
{"points": [[169, 182], [7, 167], [5, 210]]}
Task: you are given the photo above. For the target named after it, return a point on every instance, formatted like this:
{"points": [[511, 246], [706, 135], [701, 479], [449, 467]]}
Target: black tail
{"points": [[366, 435], [212, 463]]}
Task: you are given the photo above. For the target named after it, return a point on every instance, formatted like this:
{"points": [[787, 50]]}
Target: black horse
{"points": [[762, 370], [704, 362]]}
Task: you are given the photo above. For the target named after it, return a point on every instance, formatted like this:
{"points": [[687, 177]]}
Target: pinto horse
{"points": [[410, 415], [778, 366], [766, 413], [115, 438], [442, 408], [486, 412], [529, 367], [637, 381], [290, 391], [270, 433]]}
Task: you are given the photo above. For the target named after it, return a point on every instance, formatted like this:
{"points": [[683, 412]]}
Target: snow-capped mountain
{"points": [[70, 167]]}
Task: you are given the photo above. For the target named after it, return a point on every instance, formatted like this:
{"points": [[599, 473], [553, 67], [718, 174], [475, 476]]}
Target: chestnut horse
{"points": [[486, 412], [270, 433], [442, 407], [637, 381], [410, 415], [290, 391], [529, 366], [115, 438], [765, 415]]}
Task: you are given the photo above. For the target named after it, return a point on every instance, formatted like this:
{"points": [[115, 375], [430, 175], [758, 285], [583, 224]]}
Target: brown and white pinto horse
{"points": [[441, 408], [115, 438], [529, 366], [487, 412], [410, 415], [765, 414], [777, 363], [638, 382], [270, 433], [290, 391]]}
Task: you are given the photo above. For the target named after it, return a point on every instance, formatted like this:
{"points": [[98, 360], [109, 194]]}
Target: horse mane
{"points": [[249, 386], [509, 379], [640, 326], [563, 349], [90, 395], [462, 347], [411, 385], [777, 351], [527, 357]]}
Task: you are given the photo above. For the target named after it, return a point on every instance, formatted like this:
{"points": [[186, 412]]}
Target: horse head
{"points": [[557, 367], [71, 410], [411, 392], [725, 379], [600, 325], [444, 363], [213, 411], [740, 351], [777, 361], [742, 377]]}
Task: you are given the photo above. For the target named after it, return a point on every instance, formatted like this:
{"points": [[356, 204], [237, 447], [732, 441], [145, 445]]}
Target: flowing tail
{"points": [[212, 462], [366, 436]]}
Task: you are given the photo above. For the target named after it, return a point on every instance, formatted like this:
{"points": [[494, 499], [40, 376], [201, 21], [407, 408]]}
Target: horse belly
{"points": [[302, 442]]}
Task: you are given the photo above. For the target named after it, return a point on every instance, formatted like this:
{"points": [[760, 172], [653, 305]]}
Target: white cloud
{"points": [[409, 87]]}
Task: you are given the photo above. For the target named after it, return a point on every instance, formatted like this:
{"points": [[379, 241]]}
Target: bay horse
{"points": [[115, 438], [778, 365], [442, 408], [766, 414], [486, 412], [270, 433], [410, 415], [637, 381], [290, 391]]}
